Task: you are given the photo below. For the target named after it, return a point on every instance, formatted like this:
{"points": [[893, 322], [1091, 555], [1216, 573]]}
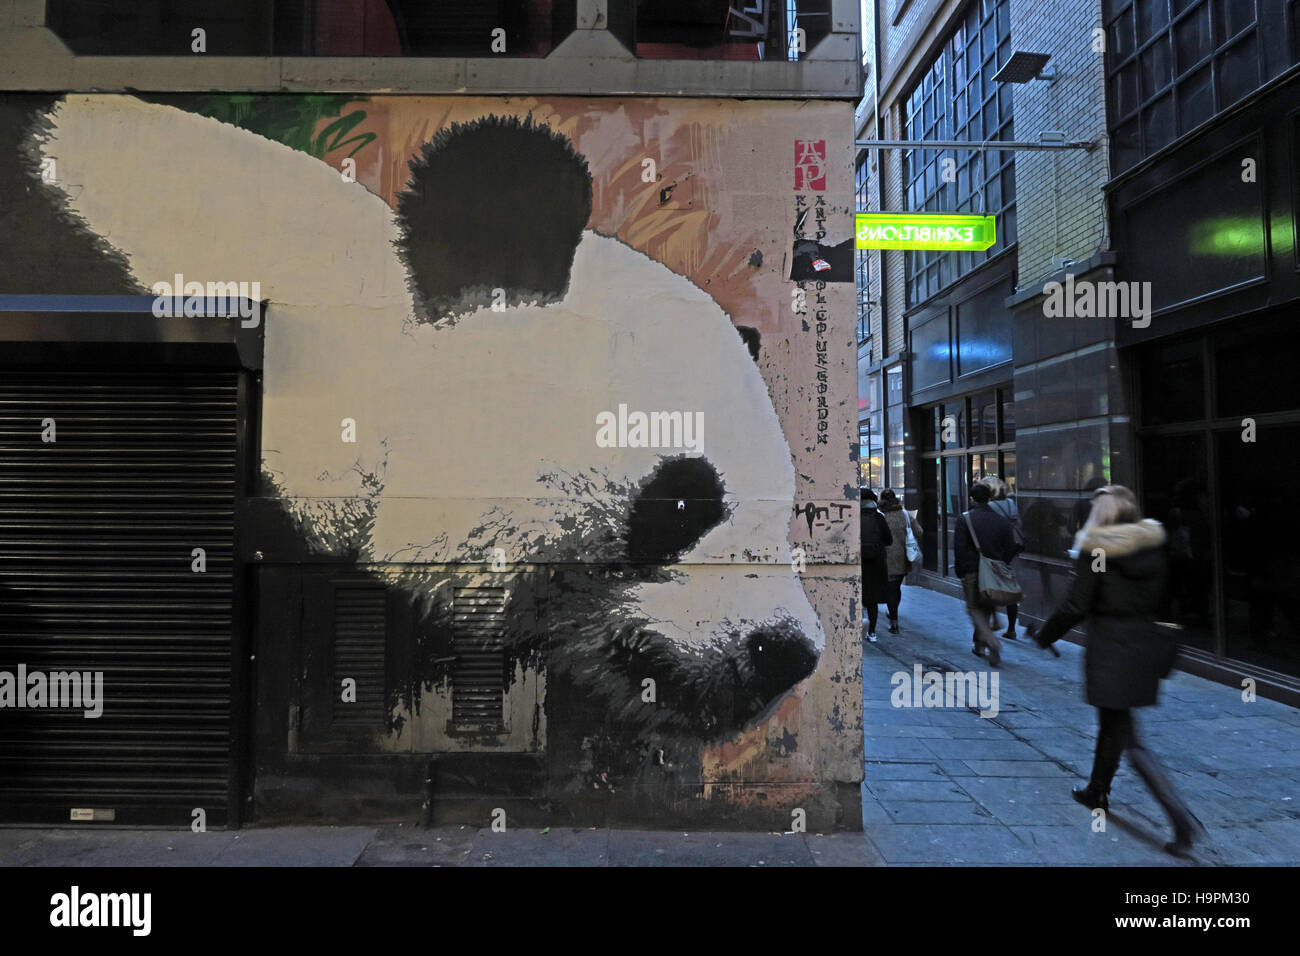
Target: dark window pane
{"points": [[984, 422], [1158, 124], [1238, 72], [1126, 90], [1126, 144], [1152, 16], [1008, 417], [930, 353], [1173, 384], [1193, 40], [930, 429], [931, 521], [953, 425], [1174, 482], [1155, 71], [954, 468], [983, 333], [1260, 524], [1233, 16], [993, 193], [1215, 237], [1255, 370], [1195, 100], [1121, 35]]}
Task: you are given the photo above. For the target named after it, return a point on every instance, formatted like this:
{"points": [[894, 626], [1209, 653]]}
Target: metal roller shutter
{"points": [[97, 532]]}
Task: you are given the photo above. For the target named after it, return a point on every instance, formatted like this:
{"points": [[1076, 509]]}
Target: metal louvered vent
{"points": [[360, 635], [98, 524], [478, 677]]}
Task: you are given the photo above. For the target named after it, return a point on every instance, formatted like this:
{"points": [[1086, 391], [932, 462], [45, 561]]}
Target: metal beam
{"points": [[990, 144]]}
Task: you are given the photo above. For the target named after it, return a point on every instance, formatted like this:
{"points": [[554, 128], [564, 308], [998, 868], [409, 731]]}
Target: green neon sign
{"points": [[925, 230]]}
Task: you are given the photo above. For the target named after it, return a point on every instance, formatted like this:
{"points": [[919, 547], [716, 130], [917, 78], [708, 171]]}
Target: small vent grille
{"points": [[360, 633], [478, 677]]}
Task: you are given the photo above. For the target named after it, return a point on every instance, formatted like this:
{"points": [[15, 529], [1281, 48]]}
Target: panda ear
{"points": [[496, 204]]}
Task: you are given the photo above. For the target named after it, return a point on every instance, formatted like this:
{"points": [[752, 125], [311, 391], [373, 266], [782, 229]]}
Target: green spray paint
{"points": [[290, 119]]}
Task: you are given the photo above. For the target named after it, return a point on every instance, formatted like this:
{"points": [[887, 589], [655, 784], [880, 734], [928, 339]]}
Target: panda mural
{"points": [[496, 360]]}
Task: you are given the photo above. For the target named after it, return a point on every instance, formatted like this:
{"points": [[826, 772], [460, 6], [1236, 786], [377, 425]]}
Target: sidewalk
{"points": [[943, 787], [949, 787], [440, 846]]}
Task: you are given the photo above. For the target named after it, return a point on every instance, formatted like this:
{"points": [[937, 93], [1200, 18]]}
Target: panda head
{"points": [[476, 426], [677, 566]]}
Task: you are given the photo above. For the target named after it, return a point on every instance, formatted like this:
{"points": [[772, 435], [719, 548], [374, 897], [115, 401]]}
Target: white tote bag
{"points": [[913, 549]]}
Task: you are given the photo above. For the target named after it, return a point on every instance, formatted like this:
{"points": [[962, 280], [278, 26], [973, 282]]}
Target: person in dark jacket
{"points": [[875, 539], [997, 541], [1120, 575], [1002, 502], [896, 562]]}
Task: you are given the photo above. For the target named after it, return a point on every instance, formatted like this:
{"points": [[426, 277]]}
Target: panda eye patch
{"points": [[679, 501]]}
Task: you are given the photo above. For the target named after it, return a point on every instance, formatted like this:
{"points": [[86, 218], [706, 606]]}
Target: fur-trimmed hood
{"points": [[1120, 540]]}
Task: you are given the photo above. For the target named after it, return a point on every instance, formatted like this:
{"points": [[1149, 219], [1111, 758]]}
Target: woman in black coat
{"points": [[875, 578], [1119, 581]]}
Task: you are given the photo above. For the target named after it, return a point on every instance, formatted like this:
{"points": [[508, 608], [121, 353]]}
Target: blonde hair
{"points": [[997, 487], [1113, 504]]}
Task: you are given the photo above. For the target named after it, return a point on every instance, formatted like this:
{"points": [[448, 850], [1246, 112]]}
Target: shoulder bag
{"points": [[996, 582]]}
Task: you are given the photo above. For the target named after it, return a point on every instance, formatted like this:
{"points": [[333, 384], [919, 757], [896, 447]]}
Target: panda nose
{"points": [[779, 657]]}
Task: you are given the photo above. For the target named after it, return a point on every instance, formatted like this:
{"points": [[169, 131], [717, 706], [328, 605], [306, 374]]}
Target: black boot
{"points": [[1092, 797]]}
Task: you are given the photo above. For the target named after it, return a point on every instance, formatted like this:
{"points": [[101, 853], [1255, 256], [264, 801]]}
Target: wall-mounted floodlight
{"points": [[1024, 67]]}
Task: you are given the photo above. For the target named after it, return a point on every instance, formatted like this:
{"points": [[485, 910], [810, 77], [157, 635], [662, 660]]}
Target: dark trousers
{"points": [[873, 615], [893, 595], [1117, 735], [979, 613]]}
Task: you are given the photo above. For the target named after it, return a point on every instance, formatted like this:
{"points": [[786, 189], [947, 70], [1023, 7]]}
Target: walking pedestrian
{"points": [[902, 527], [875, 579], [1005, 505], [1120, 574], [996, 541]]}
